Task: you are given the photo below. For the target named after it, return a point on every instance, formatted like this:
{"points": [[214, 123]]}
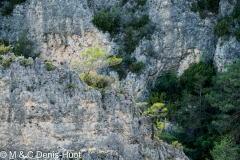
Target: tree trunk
{"points": [[152, 129]]}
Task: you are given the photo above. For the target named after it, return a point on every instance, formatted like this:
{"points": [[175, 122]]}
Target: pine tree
{"points": [[154, 112], [226, 98]]}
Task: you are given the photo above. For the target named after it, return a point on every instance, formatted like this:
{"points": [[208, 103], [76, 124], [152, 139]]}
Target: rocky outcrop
{"points": [[51, 111], [227, 48], [61, 30], [46, 110]]}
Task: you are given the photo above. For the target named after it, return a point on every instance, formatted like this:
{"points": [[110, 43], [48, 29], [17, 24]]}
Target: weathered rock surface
{"points": [[54, 110], [61, 30], [42, 110], [226, 49]]}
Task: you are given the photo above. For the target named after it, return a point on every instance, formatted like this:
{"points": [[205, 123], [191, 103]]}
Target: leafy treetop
{"points": [[94, 58]]}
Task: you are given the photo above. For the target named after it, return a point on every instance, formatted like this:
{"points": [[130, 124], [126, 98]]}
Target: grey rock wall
{"points": [[61, 30], [226, 49], [40, 112]]}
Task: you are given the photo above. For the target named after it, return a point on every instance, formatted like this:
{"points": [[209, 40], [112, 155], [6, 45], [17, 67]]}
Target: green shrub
{"points": [[70, 86], [138, 23], [30, 88], [204, 6], [167, 137], [25, 62], [124, 2], [120, 70], [128, 60], [8, 7], [170, 84], [90, 3], [223, 27], [49, 65], [237, 34], [194, 7], [236, 11], [137, 67], [6, 62], [5, 49], [23, 46], [52, 102], [141, 2], [203, 14], [213, 5], [95, 80], [107, 21], [226, 149], [130, 40], [192, 75], [94, 58], [176, 145], [156, 97]]}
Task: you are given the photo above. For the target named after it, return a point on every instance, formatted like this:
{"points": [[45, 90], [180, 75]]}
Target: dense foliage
{"points": [[107, 21], [225, 97], [134, 28], [204, 6], [229, 25], [91, 61], [8, 6], [206, 107], [23, 46], [4, 47]]}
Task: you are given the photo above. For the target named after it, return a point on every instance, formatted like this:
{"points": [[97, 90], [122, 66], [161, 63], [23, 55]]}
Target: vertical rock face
{"points": [[52, 111], [226, 50], [60, 30]]}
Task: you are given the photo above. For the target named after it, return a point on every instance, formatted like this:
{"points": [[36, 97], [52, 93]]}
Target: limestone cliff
{"points": [[61, 30], [55, 111]]}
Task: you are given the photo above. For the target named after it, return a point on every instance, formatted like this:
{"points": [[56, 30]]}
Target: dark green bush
{"points": [[237, 34], [8, 7], [168, 83], [192, 75], [25, 62], [137, 67], [107, 21], [23, 46], [223, 27], [1, 4], [194, 7], [120, 70], [130, 40], [141, 2], [90, 3], [52, 102], [138, 23], [124, 2], [236, 11], [203, 6], [128, 60], [203, 14]]}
